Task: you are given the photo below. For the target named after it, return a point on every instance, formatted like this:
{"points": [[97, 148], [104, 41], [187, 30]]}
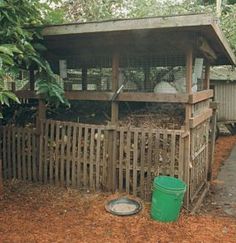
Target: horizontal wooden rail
{"points": [[106, 96], [194, 121], [200, 96], [152, 97]]}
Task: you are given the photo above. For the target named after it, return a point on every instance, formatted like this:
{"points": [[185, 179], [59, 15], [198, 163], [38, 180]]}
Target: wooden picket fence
{"points": [[97, 157], [19, 153]]}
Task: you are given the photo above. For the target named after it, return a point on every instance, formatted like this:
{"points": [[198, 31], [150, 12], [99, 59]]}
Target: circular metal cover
{"points": [[123, 206]]}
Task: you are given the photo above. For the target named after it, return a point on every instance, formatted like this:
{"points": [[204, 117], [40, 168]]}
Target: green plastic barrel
{"points": [[167, 198]]}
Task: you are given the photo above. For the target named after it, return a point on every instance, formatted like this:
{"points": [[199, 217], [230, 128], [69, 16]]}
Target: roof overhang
{"points": [[142, 33]]}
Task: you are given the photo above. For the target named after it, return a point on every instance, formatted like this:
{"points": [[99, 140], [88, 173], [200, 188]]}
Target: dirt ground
{"points": [[36, 213]]}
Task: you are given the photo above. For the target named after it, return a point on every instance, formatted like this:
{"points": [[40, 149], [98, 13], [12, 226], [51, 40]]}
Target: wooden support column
{"points": [[213, 105], [31, 79], [114, 120], [206, 84], [189, 71], [84, 78], [115, 75], [188, 114]]}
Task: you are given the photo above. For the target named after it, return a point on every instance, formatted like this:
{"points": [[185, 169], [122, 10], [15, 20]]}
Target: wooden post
{"points": [[114, 119], [213, 105], [31, 79], [206, 84], [115, 75], [218, 8], [188, 115], [189, 71], [84, 78]]}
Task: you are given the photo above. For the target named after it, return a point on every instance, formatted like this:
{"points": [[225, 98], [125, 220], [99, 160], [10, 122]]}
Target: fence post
{"points": [[41, 115], [213, 105], [186, 160]]}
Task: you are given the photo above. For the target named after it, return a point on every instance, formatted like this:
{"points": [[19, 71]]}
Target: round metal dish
{"points": [[123, 206]]}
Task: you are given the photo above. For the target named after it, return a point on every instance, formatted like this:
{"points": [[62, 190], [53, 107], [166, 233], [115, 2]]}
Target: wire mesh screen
{"points": [[90, 73], [151, 73], [137, 73]]}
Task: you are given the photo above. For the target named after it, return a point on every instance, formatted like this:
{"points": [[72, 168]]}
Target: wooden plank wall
{"points": [[77, 155]]}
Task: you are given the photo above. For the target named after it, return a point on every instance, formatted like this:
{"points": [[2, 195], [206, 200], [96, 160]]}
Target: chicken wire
{"points": [[137, 73]]}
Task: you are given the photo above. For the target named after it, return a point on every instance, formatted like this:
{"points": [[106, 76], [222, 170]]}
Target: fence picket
{"points": [[29, 153], [68, 155], [19, 154], [51, 150], [121, 158], [85, 157], [9, 161], [79, 158], [14, 152], [73, 171], [98, 157], [91, 159], [62, 156]]}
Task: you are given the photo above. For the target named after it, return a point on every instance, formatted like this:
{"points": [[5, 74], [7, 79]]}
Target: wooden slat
{"points": [[135, 160], [74, 150], [34, 157], [78, 173], [14, 152], [105, 160], [152, 97], [121, 159], [46, 158], [143, 144], [157, 153], [91, 159], [85, 157], [62, 155], [194, 121], [149, 159], [128, 144], [68, 155], [181, 158], [200, 96], [9, 161], [114, 160], [4, 150], [172, 157], [56, 155], [19, 154], [98, 157], [29, 154], [24, 169], [51, 147], [41, 150]]}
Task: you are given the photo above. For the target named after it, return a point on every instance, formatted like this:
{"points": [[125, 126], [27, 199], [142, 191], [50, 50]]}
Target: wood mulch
{"points": [[42, 213]]}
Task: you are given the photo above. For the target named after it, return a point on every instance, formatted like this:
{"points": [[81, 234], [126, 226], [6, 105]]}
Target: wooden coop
{"points": [[160, 64]]}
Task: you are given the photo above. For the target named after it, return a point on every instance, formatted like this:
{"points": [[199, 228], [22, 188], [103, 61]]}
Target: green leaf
{"points": [[6, 50]]}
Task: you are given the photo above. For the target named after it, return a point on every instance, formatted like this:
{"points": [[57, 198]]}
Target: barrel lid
{"points": [[170, 183]]}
